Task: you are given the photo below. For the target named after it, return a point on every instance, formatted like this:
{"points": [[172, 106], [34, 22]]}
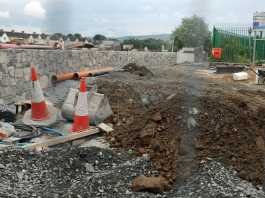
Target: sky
{"points": [[115, 18]]}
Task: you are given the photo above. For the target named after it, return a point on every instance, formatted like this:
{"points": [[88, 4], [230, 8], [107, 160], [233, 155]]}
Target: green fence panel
{"points": [[237, 44]]}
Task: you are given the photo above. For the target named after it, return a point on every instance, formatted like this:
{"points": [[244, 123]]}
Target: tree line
{"points": [[192, 32]]}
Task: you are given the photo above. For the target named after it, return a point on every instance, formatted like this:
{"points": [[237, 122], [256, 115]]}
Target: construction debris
{"points": [[6, 130], [240, 76], [104, 127], [137, 70]]}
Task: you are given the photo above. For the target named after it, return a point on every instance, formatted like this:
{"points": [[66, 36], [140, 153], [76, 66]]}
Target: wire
{"points": [[26, 132]]}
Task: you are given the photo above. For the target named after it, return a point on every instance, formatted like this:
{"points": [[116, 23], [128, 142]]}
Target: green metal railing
{"points": [[237, 44]]}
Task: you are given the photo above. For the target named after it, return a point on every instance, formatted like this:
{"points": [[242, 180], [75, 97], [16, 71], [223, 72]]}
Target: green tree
{"points": [[57, 36], [99, 38], [152, 44], [78, 36], [193, 32]]}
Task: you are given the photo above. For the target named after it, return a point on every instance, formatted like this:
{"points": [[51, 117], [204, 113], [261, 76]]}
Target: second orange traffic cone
{"points": [[81, 118]]}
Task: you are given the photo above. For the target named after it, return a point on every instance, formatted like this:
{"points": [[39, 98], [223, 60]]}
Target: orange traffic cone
{"points": [[81, 118], [39, 109], [40, 113]]}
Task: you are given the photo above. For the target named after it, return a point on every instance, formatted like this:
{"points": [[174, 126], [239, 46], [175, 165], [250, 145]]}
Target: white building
{"points": [[4, 38]]}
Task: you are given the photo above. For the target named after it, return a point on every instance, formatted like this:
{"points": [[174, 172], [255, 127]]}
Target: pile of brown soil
{"points": [[155, 131], [228, 130], [233, 133], [137, 70]]}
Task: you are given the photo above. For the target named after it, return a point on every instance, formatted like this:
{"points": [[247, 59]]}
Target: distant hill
{"points": [[164, 37]]}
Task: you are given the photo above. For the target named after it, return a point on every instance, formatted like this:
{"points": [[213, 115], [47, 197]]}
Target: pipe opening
{"points": [[76, 76], [54, 79]]}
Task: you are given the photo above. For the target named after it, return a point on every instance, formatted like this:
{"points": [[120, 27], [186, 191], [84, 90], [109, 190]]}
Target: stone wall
{"points": [[15, 65]]}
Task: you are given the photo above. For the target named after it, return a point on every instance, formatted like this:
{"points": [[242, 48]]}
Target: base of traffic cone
{"points": [[80, 124], [52, 118]]}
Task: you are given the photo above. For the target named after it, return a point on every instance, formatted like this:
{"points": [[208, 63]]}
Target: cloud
{"points": [[35, 9], [120, 17], [147, 8], [4, 14]]}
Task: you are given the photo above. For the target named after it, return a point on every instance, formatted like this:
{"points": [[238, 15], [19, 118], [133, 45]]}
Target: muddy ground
{"points": [[205, 137]]}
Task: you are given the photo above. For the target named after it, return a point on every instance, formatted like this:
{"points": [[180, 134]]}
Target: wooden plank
{"points": [[104, 127], [62, 139]]}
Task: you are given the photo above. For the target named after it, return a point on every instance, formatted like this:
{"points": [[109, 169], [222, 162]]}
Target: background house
{"points": [[23, 38]]}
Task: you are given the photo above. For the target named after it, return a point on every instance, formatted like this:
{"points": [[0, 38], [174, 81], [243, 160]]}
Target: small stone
{"points": [[152, 184], [89, 168], [128, 192], [157, 117], [2, 166]]}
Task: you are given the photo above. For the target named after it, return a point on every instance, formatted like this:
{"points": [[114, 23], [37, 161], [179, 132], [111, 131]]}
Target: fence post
{"points": [[254, 49]]}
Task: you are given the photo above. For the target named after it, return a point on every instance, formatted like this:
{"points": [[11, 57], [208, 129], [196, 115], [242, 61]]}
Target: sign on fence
{"points": [[259, 21]]}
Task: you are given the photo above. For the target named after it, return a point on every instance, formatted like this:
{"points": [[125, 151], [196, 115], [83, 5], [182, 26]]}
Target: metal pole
{"points": [[249, 43], [254, 49]]}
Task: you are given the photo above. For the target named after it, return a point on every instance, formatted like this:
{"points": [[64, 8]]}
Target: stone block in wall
{"points": [[4, 67], [12, 81], [27, 73], [19, 73], [11, 71], [9, 92], [5, 80], [3, 57], [44, 82]]}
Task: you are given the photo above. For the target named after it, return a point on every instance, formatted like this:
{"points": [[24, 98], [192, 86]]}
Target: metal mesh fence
{"points": [[237, 43]]}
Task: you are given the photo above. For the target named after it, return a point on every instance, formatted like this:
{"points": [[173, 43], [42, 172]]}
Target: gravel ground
{"points": [[214, 180], [93, 172]]}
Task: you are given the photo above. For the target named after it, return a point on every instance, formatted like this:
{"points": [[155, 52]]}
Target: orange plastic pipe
{"points": [[92, 72], [62, 77]]}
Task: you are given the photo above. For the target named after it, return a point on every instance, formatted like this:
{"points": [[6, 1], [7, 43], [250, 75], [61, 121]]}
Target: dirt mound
{"points": [[227, 130], [125, 102], [233, 133], [137, 70], [155, 131]]}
